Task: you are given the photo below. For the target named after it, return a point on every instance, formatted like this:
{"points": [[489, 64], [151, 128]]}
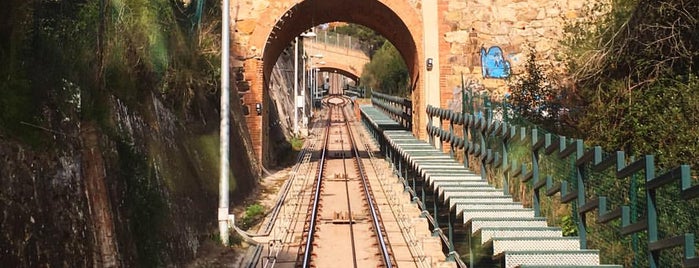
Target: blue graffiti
{"points": [[494, 64]]}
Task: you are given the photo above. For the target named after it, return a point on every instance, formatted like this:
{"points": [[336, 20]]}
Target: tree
{"points": [[536, 98], [371, 40], [387, 71], [636, 75]]}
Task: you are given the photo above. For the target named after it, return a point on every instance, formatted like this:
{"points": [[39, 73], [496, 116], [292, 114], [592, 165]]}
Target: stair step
{"points": [[571, 257], [478, 223], [434, 180], [479, 199], [424, 170], [449, 193], [462, 183], [469, 214], [503, 244], [458, 207], [570, 266], [485, 189], [489, 233]]}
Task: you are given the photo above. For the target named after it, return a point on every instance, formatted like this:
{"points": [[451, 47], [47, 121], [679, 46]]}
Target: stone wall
{"points": [[503, 30]]}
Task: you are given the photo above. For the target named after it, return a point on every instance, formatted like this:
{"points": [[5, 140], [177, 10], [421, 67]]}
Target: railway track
{"points": [[343, 226]]}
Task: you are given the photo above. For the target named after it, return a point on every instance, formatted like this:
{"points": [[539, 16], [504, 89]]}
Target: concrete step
{"points": [[502, 244], [489, 233], [469, 214], [571, 266], [452, 200], [448, 174], [573, 257], [444, 179], [478, 223], [461, 183], [449, 193], [458, 207]]}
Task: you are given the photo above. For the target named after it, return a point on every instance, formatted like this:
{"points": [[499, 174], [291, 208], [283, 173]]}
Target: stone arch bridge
{"points": [[337, 59], [482, 41]]}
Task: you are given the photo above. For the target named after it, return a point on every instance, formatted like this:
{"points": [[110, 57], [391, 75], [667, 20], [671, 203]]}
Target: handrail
{"points": [[488, 144], [398, 108]]}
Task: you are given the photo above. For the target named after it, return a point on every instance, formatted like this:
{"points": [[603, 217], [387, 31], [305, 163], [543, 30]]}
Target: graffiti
{"points": [[494, 64]]}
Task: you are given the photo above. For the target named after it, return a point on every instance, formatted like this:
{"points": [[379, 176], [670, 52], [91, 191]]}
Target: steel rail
{"points": [[316, 198], [374, 214]]}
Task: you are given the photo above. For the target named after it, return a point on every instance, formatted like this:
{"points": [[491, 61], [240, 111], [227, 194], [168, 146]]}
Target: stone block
{"points": [[246, 26], [461, 37], [527, 14], [453, 16], [505, 14], [457, 5]]}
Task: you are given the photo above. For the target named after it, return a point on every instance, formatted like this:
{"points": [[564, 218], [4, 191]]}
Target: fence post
{"points": [[429, 124], [652, 214], [580, 179], [451, 134], [535, 172], [464, 98], [505, 145]]}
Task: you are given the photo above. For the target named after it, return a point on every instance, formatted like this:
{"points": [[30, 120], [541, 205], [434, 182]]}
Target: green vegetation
{"points": [[634, 87], [636, 77], [535, 97], [206, 149], [67, 57], [253, 214], [371, 40], [387, 72], [296, 143], [66, 62]]}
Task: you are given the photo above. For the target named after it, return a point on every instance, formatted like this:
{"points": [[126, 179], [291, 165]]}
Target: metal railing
{"points": [[398, 108], [353, 91], [643, 216]]}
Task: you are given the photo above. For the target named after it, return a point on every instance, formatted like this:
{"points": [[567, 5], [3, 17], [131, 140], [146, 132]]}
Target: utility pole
{"points": [[296, 85], [225, 124]]}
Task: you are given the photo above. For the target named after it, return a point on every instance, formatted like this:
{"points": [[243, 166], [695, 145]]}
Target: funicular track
{"points": [[343, 225]]}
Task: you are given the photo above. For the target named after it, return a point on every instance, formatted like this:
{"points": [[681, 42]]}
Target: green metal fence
{"points": [[398, 108], [645, 217]]}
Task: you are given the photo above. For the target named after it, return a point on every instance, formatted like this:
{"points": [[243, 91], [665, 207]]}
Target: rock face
{"points": [[139, 189]]}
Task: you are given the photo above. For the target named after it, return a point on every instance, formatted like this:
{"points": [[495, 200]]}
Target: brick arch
{"points": [[340, 70], [397, 20]]}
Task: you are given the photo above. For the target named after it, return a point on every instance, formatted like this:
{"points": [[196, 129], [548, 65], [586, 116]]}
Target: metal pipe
{"points": [[303, 85], [296, 85], [224, 128]]}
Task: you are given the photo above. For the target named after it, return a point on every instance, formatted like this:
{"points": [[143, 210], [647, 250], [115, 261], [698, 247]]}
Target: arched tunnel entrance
{"points": [[397, 20]]}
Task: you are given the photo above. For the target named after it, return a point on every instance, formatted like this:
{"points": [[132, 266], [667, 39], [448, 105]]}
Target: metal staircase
{"points": [[516, 236]]}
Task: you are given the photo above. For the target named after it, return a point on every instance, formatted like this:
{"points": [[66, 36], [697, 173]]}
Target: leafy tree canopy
{"points": [[387, 72]]}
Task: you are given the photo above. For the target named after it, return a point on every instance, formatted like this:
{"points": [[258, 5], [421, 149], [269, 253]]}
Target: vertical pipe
{"points": [[296, 85], [225, 114], [303, 83]]}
